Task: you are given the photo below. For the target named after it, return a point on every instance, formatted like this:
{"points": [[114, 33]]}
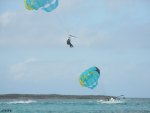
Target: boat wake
{"points": [[110, 101]]}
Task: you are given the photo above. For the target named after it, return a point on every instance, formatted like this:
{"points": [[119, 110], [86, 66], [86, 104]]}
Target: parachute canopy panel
{"points": [[46, 5], [89, 78]]}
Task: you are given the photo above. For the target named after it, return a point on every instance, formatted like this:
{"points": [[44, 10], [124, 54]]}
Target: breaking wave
{"points": [[22, 102]]}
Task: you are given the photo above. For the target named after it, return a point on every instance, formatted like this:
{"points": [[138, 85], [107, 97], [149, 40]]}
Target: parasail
{"points": [[46, 5], [89, 78]]}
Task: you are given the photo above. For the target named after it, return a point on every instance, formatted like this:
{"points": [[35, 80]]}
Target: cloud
{"points": [[29, 29], [6, 18], [56, 76], [91, 38], [119, 4], [20, 70], [43, 70], [102, 29]]}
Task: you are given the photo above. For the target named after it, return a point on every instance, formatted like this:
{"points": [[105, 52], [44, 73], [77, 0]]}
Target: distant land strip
{"points": [[52, 96]]}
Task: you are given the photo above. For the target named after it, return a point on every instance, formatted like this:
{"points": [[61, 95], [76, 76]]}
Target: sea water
{"points": [[75, 106]]}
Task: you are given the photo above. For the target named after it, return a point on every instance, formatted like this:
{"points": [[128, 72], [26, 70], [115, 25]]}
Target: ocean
{"points": [[74, 106]]}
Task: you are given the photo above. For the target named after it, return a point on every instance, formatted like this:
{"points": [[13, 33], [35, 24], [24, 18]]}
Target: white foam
{"points": [[111, 101], [21, 102]]}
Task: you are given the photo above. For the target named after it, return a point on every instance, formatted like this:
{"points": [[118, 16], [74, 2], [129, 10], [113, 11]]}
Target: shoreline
{"points": [[53, 96]]}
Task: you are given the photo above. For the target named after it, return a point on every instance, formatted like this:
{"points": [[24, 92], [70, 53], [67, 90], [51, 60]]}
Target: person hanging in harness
{"points": [[69, 42]]}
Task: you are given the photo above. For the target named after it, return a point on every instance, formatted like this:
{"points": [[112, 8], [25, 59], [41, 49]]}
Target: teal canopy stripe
{"points": [[46, 5]]}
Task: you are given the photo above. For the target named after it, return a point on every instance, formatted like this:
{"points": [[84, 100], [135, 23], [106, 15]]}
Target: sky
{"points": [[113, 35]]}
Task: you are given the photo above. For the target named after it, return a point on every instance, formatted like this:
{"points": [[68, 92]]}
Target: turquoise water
{"points": [[75, 106]]}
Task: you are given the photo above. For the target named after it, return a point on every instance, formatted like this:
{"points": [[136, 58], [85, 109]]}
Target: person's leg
{"points": [[71, 45]]}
